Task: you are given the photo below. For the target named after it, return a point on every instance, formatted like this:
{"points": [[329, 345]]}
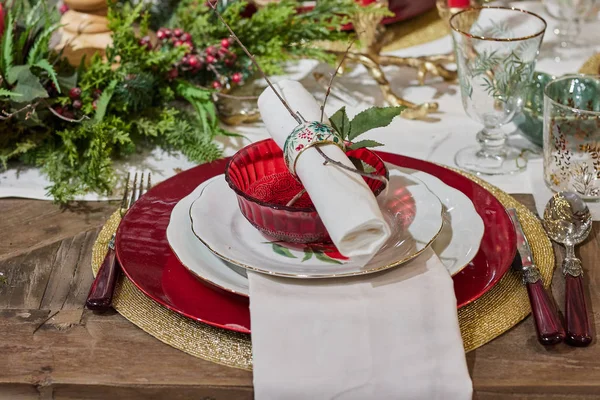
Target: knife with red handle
{"points": [[547, 321]]}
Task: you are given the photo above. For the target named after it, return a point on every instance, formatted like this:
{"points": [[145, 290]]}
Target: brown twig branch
{"points": [[53, 111], [213, 5], [333, 77], [329, 160], [4, 115], [295, 198]]}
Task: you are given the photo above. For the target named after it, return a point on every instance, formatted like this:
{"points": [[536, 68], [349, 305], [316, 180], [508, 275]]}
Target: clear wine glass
{"points": [[496, 50], [569, 14]]}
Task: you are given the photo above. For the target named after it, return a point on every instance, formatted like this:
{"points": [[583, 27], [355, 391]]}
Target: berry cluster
{"points": [[215, 65], [70, 110]]}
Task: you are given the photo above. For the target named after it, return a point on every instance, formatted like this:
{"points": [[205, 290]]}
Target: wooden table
{"points": [[45, 260]]}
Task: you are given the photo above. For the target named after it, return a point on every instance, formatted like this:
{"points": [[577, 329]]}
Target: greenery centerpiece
{"points": [[148, 90]]}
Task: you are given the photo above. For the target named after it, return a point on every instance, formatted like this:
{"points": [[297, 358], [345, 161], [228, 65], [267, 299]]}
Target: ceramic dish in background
{"points": [[530, 120], [413, 213]]}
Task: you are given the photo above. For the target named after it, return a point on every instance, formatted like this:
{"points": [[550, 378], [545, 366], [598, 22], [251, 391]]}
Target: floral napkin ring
{"points": [[306, 135]]}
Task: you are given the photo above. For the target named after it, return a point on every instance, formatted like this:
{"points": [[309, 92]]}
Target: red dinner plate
{"points": [[149, 262]]}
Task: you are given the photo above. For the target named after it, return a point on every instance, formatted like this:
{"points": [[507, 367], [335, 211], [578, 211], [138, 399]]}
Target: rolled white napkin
{"points": [[343, 200], [392, 335]]}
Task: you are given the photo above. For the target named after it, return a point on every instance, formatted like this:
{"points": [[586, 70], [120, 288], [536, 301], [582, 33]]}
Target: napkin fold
{"points": [[392, 335], [343, 200]]}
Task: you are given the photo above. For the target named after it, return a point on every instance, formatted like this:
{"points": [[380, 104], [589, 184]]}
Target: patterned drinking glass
{"points": [[496, 49], [572, 135]]}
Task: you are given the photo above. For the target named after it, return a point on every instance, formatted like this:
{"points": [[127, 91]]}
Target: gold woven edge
{"points": [[200, 340], [418, 30], [591, 66], [505, 305]]}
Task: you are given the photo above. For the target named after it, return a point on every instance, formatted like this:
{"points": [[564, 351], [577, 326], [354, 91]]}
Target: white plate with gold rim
{"points": [[456, 245], [413, 212]]}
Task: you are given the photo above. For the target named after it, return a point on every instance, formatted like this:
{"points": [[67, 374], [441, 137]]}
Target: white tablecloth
{"points": [[437, 140]]}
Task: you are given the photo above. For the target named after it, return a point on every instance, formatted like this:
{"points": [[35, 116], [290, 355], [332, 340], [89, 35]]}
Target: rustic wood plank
{"points": [[34, 223], [80, 355]]}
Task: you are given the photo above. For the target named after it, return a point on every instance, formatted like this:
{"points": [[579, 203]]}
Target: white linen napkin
{"points": [[343, 200], [392, 335]]}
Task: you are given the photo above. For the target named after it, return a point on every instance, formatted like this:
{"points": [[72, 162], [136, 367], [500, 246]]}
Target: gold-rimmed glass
{"points": [[496, 50], [572, 135]]}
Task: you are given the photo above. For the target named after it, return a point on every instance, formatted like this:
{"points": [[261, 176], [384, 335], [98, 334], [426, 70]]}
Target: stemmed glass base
{"points": [[492, 157]]}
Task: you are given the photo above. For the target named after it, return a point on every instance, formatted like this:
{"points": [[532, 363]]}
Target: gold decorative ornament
{"points": [[371, 34], [494, 313], [85, 30], [591, 66]]}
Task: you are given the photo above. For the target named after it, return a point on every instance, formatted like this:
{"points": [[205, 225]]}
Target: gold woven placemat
{"points": [[422, 29], [481, 321]]}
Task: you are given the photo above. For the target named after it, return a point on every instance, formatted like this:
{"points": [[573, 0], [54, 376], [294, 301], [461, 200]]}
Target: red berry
{"points": [[211, 50], [95, 104], [177, 32], [58, 109], [229, 62], [77, 104], [145, 42], [68, 114], [210, 59], [223, 51], [63, 8], [236, 78], [193, 61], [172, 74], [225, 43], [168, 33], [178, 43], [75, 93], [186, 37], [216, 85], [161, 34], [96, 93]]}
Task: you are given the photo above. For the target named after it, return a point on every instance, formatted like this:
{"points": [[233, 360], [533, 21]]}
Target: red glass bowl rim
{"points": [[246, 196]]}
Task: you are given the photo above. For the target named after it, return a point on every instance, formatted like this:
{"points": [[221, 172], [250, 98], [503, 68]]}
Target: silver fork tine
{"points": [[133, 190], [149, 183], [124, 204], [140, 191]]}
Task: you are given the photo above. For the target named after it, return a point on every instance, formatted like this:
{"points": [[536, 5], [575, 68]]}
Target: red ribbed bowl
{"points": [[263, 184]]}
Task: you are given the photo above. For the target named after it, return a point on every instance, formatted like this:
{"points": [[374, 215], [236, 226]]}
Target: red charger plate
{"points": [[148, 261]]}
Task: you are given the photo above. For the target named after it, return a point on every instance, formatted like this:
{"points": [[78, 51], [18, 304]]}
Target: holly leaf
{"points": [[282, 251], [67, 82], [375, 117], [29, 87], [364, 143], [340, 122], [13, 73], [325, 258]]}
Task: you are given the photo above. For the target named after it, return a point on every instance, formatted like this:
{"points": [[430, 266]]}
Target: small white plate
{"points": [[412, 211], [460, 238], [456, 245]]}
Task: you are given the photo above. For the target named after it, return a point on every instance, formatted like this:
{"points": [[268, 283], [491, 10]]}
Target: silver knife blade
{"points": [[522, 244]]}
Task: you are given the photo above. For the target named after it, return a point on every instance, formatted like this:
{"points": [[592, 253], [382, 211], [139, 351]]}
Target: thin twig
{"points": [[230, 96], [356, 171], [333, 77], [53, 111], [6, 115], [295, 198], [234, 36]]}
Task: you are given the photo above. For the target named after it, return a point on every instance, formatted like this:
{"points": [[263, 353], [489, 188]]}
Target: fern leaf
{"points": [[7, 44], [41, 44], [8, 93], [31, 15], [45, 65], [103, 101]]}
